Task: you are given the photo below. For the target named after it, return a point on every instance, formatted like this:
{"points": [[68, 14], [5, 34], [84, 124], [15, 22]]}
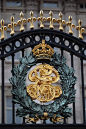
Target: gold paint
{"points": [[43, 51], [20, 22], [31, 20], [12, 25], [51, 20], [57, 119], [32, 119], [62, 22], [2, 29], [42, 88], [41, 18], [81, 30], [70, 25], [45, 116]]}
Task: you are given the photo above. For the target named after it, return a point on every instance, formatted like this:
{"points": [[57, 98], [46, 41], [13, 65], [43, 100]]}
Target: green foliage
{"points": [[60, 105]]}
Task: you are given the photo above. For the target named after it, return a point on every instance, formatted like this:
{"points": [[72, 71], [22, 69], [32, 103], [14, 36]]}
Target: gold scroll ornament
{"points": [[43, 75]]}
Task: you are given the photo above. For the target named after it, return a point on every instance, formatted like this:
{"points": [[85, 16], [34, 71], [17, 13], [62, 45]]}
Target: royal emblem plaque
{"points": [[51, 87]]}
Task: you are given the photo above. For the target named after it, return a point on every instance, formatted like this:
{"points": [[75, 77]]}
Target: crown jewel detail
{"points": [[43, 51]]}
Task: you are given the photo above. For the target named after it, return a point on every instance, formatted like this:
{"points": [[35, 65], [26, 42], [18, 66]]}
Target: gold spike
{"points": [[51, 20], [70, 25], [31, 20], [21, 21], [41, 18], [62, 22], [81, 30], [12, 25], [2, 29]]}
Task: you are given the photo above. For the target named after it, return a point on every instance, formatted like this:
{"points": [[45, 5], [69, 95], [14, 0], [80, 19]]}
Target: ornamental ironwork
{"points": [[43, 76]]}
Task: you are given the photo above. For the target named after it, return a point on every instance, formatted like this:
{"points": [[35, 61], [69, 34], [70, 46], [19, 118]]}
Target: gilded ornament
{"points": [[41, 18], [62, 22], [12, 25], [57, 119], [42, 88], [32, 119], [81, 30], [21, 22], [51, 20], [43, 51], [45, 117], [2, 29], [70, 25], [31, 20]]}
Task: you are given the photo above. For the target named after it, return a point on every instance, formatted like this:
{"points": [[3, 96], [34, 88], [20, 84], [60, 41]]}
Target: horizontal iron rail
{"points": [[43, 126], [23, 35]]}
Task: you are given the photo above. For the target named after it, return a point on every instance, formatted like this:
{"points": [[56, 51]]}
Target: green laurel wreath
{"points": [[60, 105]]}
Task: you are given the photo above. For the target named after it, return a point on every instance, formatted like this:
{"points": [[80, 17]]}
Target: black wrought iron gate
{"points": [[55, 39]]}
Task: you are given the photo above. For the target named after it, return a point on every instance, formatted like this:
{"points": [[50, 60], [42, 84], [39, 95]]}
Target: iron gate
{"points": [[60, 43]]}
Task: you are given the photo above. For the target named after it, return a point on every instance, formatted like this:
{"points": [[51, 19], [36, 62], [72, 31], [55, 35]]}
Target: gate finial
{"points": [[41, 18], [2, 29], [51, 20], [61, 22], [31, 20], [81, 30], [12, 25], [21, 22], [70, 25]]}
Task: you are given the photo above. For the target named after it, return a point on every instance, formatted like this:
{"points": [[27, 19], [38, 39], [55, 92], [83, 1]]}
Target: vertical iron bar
{"points": [[13, 104], [23, 56], [83, 98], [3, 91], [74, 116], [62, 55]]}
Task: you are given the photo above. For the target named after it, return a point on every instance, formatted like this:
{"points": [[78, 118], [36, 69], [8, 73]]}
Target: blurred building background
{"points": [[75, 8]]}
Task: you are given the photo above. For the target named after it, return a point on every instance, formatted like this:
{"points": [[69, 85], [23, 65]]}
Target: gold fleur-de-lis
{"points": [[62, 22], [21, 21], [41, 18], [2, 29], [12, 25], [31, 20], [81, 30], [51, 20], [70, 25]]}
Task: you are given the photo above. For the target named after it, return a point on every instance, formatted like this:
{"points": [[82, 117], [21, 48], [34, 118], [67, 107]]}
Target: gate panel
{"points": [[42, 33]]}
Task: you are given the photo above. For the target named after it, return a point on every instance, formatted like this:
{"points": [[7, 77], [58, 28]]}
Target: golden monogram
{"points": [[43, 75]]}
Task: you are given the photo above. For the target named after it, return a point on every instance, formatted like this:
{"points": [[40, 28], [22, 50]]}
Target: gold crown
{"points": [[43, 51]]}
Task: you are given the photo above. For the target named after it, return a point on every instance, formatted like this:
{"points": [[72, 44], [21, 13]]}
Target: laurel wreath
{"points": [[60, 106]]}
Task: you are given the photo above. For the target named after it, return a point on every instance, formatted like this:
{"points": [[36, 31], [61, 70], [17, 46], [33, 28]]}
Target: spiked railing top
{"points": [[51, 20], [81, 30], [12, 25], [31, 20], [70, 25], [62, 22], [21, 21], [41, 19], [2, 29]]}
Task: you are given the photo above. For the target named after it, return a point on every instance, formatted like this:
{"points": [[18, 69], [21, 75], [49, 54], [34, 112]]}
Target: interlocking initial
{"points": [[43, 75]]}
